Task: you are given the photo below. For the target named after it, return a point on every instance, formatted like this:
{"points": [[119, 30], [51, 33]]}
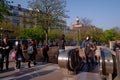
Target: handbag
{"points": [[13, 55], [25, 55]]}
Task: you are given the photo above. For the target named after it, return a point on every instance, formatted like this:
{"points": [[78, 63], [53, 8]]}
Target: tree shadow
{"points": [[24, 71], [36, 74], [89, 67]]}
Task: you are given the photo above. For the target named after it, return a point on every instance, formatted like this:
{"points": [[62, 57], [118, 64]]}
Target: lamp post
{"points": [[77, 25], [77, 20], [78, 31]]}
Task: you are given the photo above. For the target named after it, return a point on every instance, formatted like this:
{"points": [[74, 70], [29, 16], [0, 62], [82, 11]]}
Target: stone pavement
{"points": [[46, 71]]}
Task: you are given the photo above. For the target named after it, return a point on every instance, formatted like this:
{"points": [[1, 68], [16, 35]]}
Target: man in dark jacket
{"points": [[6, 46], [45, 50], [62, 43], [116, 45]]}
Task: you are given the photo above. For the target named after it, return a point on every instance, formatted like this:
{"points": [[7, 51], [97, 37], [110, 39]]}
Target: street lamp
{"points": [[77, 25], [77, 20]]}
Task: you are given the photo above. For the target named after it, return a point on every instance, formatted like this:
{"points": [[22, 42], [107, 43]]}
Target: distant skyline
{"points": [[104, 14]]}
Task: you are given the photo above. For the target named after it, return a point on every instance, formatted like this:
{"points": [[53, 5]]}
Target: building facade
{"points": [[22, 17], [27, 18]]}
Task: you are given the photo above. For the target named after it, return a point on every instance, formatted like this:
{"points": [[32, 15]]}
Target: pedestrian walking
{"points": [[89, 49], [32, 51], [19, 56], [24, 52]]}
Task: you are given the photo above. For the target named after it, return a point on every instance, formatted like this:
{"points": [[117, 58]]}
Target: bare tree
{"points": [[86, 21], [117, 29]]}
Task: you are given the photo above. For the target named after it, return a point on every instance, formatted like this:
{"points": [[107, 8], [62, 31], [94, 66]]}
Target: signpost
{"points": [[78, 25]]}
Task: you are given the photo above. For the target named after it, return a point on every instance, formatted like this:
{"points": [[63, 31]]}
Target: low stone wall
{"points": [[54, 52]]}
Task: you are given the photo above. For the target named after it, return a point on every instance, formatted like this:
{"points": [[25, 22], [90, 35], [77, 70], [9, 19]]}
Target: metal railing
{"points": [[70, 60], [118, 62], [110, 64]]}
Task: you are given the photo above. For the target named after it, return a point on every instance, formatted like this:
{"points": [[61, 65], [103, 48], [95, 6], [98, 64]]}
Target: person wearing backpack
{"points": [[90, 52], [32, 51], [85, 47]]}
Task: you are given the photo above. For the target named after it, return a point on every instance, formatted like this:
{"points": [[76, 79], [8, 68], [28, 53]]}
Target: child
{"points": [[19, 56]]}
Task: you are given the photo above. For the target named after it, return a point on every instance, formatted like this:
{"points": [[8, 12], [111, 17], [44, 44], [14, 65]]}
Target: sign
{"points": [[77, 25]]}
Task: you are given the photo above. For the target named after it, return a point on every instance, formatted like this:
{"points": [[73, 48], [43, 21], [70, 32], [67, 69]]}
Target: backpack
{"points": [[30, 50]]}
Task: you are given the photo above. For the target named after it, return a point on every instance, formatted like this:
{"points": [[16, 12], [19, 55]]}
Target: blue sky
{"points": [[104, 14]]}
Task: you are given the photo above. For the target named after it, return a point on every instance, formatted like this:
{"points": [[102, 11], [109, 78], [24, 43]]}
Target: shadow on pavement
{"points": [[36, 74], [27, 72], [89, 68]]}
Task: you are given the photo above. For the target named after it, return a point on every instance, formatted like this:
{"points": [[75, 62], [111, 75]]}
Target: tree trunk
{"points": [[46, 36]]}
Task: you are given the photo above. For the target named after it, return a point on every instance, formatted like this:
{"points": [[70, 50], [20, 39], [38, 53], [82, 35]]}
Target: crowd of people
{"points": [[88, 47], [18, 53], [22, 53]]}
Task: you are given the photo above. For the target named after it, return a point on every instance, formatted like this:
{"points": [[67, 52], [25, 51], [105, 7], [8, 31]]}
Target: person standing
{"points": [[6, 46], [45, 50], [1, 60], [34, 51], [62, 43], [116, 45], [86, 48], [86, 41], [19, 56]]}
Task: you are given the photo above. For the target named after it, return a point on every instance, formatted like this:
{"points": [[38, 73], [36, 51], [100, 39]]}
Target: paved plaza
{"points": [[47, 71]]}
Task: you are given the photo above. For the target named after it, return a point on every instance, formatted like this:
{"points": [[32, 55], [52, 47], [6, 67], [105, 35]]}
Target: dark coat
{"points": [[62, 43], [90, 49], [6, 48], [19, 53]]}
